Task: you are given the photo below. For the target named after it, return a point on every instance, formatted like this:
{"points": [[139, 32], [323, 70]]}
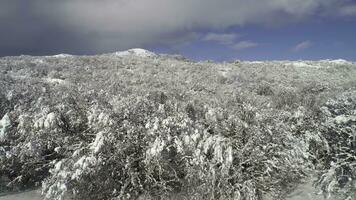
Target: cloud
{"points": [[244, 45], [226, 39], [302, 45], [107, 25], [348, 10], [229, 40]]}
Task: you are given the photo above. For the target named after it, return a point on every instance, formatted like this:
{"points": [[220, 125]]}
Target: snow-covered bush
{"points": [[338, 172], [160, 127], [166, 151]]}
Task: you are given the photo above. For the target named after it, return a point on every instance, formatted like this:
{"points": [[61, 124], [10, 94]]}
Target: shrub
{"points": [[163, 128]]}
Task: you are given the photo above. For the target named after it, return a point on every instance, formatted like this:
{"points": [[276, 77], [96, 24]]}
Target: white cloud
{"points": [[244, 45], [226, 39], [229, 39], [348, 10], [302, 45]]}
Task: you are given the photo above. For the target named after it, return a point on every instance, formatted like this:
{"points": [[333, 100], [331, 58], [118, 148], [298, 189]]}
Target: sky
{"points": [[220, 30]]}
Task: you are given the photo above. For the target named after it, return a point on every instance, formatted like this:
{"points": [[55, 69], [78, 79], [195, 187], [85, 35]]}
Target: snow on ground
{"points": [[306, 63], [254, 62], [306, 191], [303, 64], [300, 64], [303, 192], [28, 195], [135, 52]]}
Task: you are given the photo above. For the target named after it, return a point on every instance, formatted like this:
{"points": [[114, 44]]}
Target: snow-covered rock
{"points": [[62, 55], [135, 52], [4, 124]]}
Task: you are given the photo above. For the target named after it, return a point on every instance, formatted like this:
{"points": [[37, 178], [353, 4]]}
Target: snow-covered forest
{"points": [[137, 125]]}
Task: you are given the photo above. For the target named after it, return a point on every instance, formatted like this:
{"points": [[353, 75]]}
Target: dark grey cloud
{"points": [[91, 26], [24, 31]]}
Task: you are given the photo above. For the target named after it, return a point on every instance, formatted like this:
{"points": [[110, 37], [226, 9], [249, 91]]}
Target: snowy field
{"points": [[139, 125]]}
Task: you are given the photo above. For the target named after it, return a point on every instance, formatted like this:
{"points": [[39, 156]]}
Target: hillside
{"points": [[138, 125]]}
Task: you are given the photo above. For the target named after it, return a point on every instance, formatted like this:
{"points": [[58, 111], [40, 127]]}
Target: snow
{"points": [[9, 95], [338, 61], [156, 148], [305, 191], [80, 162], [50, 120], [4, 124], [97, 145], [85, 162], [191, 138], [54, 80], [18, 77], [57, 166], [300, 64], [254, 62], [135, 52], [57, 149], [62, 55], [84, 165], [342, 119], [26, 195], [319, 64], [39, 61]]}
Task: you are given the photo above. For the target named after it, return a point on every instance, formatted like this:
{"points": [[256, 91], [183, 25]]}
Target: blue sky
{"points": [[220, 30], [317, 39]]}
